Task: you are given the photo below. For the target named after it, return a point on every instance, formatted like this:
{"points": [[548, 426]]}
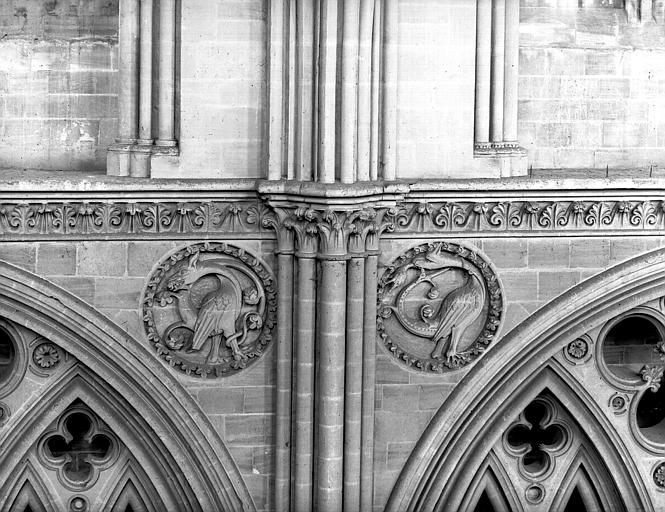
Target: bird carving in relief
{"points": [[457, 311], [218, 314]]}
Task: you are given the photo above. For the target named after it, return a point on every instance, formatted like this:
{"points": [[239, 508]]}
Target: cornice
{"points": [[60, 207]]}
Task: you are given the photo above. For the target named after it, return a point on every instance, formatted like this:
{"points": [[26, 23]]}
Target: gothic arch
{"points": [[195, 455], [447, 446]]}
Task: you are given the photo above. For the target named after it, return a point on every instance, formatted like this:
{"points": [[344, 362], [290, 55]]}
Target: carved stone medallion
{"points": [[209, 309], [439, 306]]}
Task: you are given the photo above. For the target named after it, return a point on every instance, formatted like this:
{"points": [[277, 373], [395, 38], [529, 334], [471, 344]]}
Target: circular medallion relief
{"points": [[439, 306], [209, 309]]}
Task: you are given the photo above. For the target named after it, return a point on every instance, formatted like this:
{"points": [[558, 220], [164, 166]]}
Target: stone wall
{"points": [[533, 271], [58, 83], [591, 87], [223, 102], [111, 276]]}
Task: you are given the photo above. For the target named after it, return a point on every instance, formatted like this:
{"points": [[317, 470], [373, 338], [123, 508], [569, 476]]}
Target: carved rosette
{"points": [[440, 305], [209, 309]]}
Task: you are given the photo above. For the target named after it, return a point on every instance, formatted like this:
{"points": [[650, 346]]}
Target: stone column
{"points": [[334, 335], [511, 71], [483, 67], [140, 167], [128, 99], [328, 75], [497, 59], [167, 64]]}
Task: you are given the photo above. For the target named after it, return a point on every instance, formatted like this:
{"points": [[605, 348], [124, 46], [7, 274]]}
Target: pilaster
{"points": [[335, 238]]}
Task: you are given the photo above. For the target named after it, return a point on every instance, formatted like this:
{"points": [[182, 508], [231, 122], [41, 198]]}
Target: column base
{"points": [[165, 162], [501, 159], [118, 159]]}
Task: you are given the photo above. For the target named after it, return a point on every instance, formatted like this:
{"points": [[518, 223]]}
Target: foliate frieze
{"points": [[439, 306], [538, 216], [209, 309], [330, 232], [123, 219]]}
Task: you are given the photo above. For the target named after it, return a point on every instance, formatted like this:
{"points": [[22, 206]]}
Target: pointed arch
{"points": [[27, 489], [492, 481], [478, 400], [177, 426], [588, 476], [130, 489]]}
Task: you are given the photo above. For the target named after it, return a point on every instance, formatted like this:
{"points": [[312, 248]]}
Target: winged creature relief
{"points": [[209, 309], [435, 311]]}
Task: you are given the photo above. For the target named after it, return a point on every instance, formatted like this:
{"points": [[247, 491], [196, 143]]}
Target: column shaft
{"points": [[375, 143], [353, 383], [498, 70], [330, 386], [390, 76], [304, 384], [510, 99], [277, 126], [368, 377], [327, 90], [283, 400], [365, 89], [483, 66], [305, 28], [167, 34], [145, 109], [349, 92], [128, 71]]}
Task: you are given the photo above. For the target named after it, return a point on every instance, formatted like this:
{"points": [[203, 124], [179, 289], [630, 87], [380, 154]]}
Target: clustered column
{"points": [[497, 59], [328, 464], [333, 90], [131, 154]]}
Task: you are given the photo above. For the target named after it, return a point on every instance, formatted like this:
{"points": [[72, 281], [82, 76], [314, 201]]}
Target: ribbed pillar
{"points": [[327, 90], [390, 75], [483, 67], [304, 110], [511, 78], [166, 97], [353, 386], [497, 70], [128, 94], [304, 383], [284, 376], [145, 82], [349, 93], [365, 90], [368, 383], [330, 385]]}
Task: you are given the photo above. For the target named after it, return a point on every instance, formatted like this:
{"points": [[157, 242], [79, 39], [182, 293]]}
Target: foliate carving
{"points": [[439, 306], [659, 475], [579, 350], [46, 355], [5, 413], [120, 219], [328, 231], [652, 375], [78, 448], [209, 309], [501, 216]]}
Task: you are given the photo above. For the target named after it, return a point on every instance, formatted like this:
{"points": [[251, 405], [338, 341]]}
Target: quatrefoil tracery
{"points": [[78, 448], [537, 438]]}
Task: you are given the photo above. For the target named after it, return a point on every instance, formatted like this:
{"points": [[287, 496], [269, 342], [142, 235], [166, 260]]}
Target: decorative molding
{"points": [[458, 306], [108, 220], [537, 217], [5, 413], [618, 402], [92, 218], [205, 295]]}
